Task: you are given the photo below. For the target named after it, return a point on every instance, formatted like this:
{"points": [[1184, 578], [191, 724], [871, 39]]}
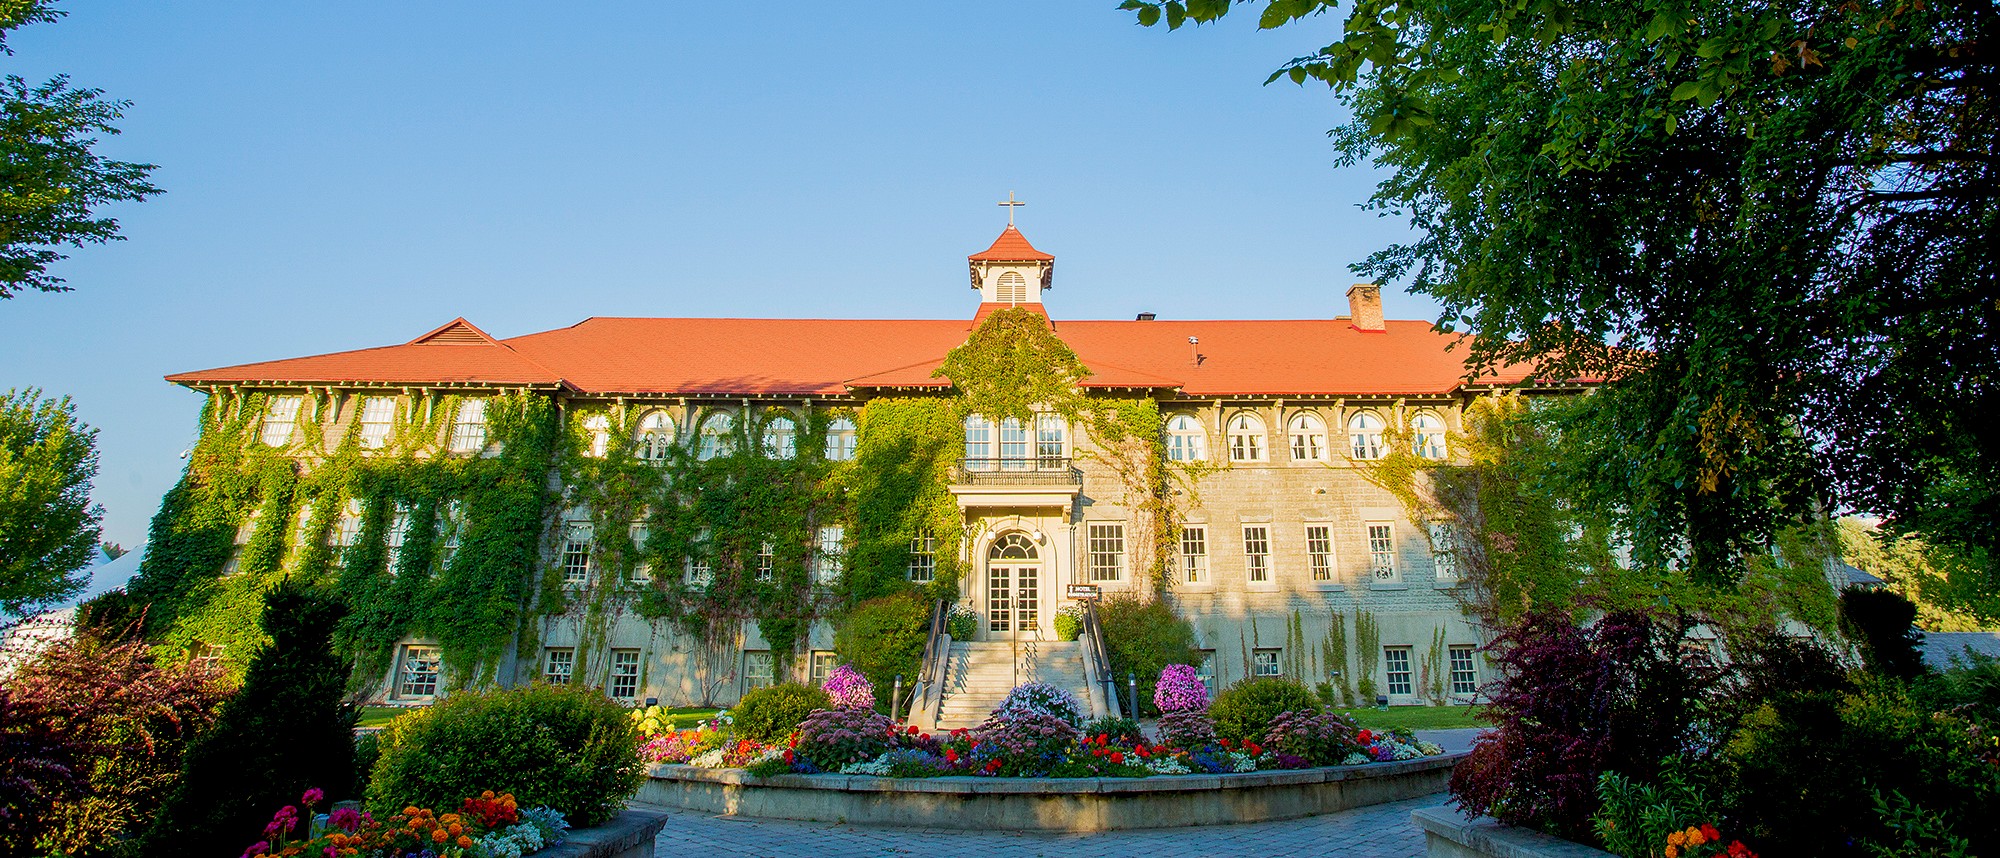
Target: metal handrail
{"points": [[1025, 471], [930, 677], [1100, 657]]}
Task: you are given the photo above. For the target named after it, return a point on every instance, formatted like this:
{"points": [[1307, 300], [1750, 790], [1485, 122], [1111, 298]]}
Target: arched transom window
{"points": [[1427, 431], [1308, 434], [1246, 438], [780, 437], [717, 437], [1364, 435], [656, 436], [1013, 546], [1013, 288], [1186, 440]]}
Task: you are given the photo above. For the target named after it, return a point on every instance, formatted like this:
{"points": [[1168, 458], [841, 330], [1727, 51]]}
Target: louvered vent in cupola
{"points": [[458, 332]]}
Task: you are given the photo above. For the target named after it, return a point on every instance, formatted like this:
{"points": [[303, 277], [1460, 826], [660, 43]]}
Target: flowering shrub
{"points": [[1388, 747], [1022, 743], [1180, 689], [1041, 698], [848, 689], [1069, 621], [1313, 738], [832, 738], [1187, 728], [1123, 731], [681, 746], [963, 622], [487, 826]]}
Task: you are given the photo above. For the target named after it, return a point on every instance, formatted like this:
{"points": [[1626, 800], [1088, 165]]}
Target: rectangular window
{"points": [[923, 557], [281, 416], [349, 531], [699, 572], [417, 672], [304, 534], [1194, 554], [1444, 552], [378, 416], [1013, 445], [767, 562], [1319, 552], [392, 541], [756, 669], [1257, 553], [468, 429], [1107, 552], [1382, 552], [1464, 672], [624, 674], [451, 526], [1396, 668], [558, 665], [576, 556], [1264, 662], [205, 656], [1049, 440], [642, 569], [831, 557], [1205, 671], [822, 664]]}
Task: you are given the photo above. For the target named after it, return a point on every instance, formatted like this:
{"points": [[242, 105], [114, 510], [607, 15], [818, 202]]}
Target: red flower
{"points": [[913, 729], [1738, 850], [1708, 832], [1365, 737], [788, 757], [1117, 757], [925, 738], [1102, 738], [1225, 743], [992, 766], [950, 756]]}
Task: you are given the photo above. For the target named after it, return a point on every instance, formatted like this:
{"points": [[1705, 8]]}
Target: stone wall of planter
{"points": [[1448, 834]]}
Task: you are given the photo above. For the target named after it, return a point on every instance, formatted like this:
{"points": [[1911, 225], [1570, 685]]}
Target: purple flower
{"points": [[313, 796], [345, 819], [1180, 689], [257, 848], [849, 689]]}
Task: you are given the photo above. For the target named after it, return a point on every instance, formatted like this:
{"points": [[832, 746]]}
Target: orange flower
{"points": [[488, 795], [410, 810], [464, 842], [439, 835], [1671, 851], [1694, 837], [1678, 838]]}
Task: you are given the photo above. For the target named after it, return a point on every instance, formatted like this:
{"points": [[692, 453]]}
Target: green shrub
{"points": [[1635, 818], [1124, 731], [565, 747], [367, 749], [289, 729], [883, 637], [1143, 638], [1879, 623], [1244, 710], [769, 714]]}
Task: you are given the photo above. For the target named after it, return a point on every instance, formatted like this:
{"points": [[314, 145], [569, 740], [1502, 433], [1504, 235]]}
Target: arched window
{"points": [[1427, 429], [1013, 288], [840, 440], [1246, 438], [717, 436], [656, 437], [1013, 546], [1364, 435], [780, 437], [1186, 440], [979, 443], [1308, 437], [597, 431]]}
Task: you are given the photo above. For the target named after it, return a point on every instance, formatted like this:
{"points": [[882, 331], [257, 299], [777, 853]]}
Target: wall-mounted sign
{"points": [[1088, 592]]}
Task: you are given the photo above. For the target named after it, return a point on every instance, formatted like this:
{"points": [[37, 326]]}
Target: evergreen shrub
{"points": [[566, 747], [1245, 710], [883, 637], [1881, 623], [1143, 637], [767, 715]]}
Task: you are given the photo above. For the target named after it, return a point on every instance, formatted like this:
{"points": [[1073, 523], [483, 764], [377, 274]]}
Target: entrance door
{"points": [[1013, 587]]}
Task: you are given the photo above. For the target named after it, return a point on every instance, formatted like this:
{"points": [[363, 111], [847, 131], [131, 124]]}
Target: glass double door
{"points": [[1013, 600]]}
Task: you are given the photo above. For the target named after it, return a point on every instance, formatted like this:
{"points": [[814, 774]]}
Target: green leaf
{"points": [[1176, 14], [1149, 15], [1686, 91]]}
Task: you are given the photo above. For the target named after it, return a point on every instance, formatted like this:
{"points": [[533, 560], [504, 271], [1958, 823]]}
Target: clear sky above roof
{"points": [[351, 175]]}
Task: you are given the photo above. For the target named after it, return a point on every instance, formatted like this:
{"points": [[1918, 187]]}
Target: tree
{"points": [[48, 526], [1767, 225], [50, 180]]}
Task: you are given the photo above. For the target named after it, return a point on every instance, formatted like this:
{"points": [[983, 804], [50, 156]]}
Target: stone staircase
{"points": [[978, 676]]}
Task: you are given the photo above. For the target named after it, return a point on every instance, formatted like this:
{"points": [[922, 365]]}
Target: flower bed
{"points": [[485, 826]]}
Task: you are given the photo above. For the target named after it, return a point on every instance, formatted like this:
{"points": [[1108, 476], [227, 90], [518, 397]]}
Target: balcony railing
{"points": [[1042, 471]]}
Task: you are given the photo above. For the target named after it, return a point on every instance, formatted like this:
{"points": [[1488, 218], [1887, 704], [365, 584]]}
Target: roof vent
{"points": [[457, 332], [1146, 317]]}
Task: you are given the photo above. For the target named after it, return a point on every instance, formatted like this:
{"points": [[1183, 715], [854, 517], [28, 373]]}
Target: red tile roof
{"points": [[821, 357], [1011, 246]]}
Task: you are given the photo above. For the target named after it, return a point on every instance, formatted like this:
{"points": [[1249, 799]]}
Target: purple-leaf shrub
{"points": [[1322, 739], [1188, 728], [1180, 689], [831, 738], [849, 689]]}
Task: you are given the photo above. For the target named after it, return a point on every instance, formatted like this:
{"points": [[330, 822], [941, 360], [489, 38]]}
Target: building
{"points": [[1285, 557]]}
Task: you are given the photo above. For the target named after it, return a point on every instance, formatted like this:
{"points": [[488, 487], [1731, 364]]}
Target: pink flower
{"points": [[313, 796], [257, 848]]}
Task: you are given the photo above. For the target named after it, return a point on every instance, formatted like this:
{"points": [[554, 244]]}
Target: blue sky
{"points": [[349, 175]]}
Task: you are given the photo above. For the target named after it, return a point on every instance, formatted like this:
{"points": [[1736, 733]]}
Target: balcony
{"points": [[1037, 482]]}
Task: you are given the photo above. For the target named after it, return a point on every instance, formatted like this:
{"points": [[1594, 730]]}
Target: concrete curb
{"points": [[1448, 834]]}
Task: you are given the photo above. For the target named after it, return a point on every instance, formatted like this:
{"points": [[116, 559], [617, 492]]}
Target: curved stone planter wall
{"points": [[1047, 804]]}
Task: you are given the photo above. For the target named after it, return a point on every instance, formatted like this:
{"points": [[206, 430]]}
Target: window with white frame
{"points": [[717, 437], [781, 437], [1012, 288], [840, 439], [978, 443], [576, 555], [624, 684], [1319, 552], [700, 570], [1194, 553], [1187, 441], [1427, 435], [1264, 662], [281, 418], [1246, 437], [1050, 435], [1257, 553], [1205, 670], [348, 530], [1444, 551], [1464, 671], [1107, 551], [1396, 668], [558, 665], [1364, 435], [417, 672], [468, 427], [757, 669], [1013, 445], [642, 569], [451, 528], [597, 435], [378, 418], [923, 557], [822, 666], [767, 563], [656, 437], [831, 557], [392, 540], [1308, 434], [1382, 551], [304, 533]]}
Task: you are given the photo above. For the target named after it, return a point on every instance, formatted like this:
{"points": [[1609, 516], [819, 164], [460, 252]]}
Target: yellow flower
{"points": [[1694, 837]]}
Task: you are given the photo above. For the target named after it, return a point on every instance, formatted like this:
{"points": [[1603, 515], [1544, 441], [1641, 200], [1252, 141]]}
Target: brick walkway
{"points": [[1379, 831]]}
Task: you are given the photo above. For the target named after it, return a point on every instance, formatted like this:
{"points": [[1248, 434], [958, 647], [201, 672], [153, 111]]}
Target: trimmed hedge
{"points": [[1245, 710], [769, 714]]}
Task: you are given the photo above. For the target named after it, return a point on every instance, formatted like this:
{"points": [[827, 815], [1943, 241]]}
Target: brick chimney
{"points": [[1364, 307]]}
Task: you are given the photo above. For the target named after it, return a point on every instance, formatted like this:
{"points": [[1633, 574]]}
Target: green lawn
{"points": [[683, 717], [1417, 717], [380, 716]]}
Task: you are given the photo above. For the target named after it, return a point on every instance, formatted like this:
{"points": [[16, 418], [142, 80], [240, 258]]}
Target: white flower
{"points": [[1166, 766], [1430, 749], [1242, 762], [879, 767], [710, 760], [1356, 759]]}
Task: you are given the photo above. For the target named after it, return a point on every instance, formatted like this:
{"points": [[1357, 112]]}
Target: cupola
{"points": [[1012, 271]]}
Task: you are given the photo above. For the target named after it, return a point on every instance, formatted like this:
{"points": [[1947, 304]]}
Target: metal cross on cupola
{"points": [[1012, 271]]}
